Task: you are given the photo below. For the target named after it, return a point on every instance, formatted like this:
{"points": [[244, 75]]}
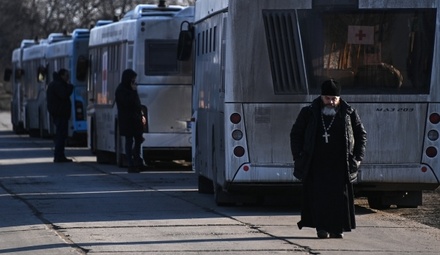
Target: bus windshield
{"points": [[369, 52], [161, 60]]}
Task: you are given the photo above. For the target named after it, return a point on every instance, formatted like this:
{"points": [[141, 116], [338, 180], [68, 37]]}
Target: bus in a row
{"points": [[257, 64], [144, 40], [15, 76], [33, 65]]}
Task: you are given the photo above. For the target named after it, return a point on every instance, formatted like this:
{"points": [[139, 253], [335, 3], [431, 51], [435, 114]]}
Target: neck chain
{"points": [[326, 135]]}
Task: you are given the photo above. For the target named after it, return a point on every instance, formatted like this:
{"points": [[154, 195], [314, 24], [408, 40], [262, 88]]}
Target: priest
{"points": [[328, 143]]}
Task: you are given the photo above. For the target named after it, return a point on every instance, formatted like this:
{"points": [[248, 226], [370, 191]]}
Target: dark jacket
{"points": [[58, 98], [129, 106], [303, 133]]}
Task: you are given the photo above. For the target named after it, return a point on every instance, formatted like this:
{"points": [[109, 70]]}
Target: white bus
{"points": [[71, 53], [145, 40], [34, 83], [257, 64], [15, 76]]}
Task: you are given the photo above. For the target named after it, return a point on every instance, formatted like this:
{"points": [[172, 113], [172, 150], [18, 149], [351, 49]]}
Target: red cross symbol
{"points": [[360, 35]]}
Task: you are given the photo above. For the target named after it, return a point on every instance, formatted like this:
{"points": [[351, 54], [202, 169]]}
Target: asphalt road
{"points": [[88, 208]]}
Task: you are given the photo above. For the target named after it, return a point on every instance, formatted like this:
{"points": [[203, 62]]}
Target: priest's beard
{"points": [[329, 111]]}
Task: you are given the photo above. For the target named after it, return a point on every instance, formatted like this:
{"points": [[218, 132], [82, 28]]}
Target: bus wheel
{"points": [[19, 128], [375, 201], [44, 133], [118, 148], [92, 136], [105, 157], [205, 185], [221, 198], [408, 199], [102, 157], [34, 132]]}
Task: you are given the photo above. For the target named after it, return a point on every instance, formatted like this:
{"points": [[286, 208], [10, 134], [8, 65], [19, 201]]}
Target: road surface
{"points": [[88, 208]]}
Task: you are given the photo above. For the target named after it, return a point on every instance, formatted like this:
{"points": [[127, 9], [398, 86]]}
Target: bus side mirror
{"points": [[7, 74], [184, 47]]}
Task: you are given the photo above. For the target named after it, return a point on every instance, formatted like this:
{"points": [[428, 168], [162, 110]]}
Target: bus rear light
{"points": [[79, 112], [237, 135], [433, 135], [239, 151], [424, 169], [235, 118], [431, 152], [246, 168], [434, 118]]}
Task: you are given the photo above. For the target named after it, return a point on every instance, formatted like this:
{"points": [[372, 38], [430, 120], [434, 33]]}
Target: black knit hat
{"points": [[330, 88]]}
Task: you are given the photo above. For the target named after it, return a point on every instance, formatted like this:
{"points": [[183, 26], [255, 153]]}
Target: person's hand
{"points": [[144, 120], [353, 177]]}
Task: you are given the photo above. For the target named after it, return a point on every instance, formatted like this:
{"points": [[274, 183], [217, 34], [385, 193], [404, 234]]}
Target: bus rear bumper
{"points": [[401, 177], [167, 146], [165, 140], [259, 173]]}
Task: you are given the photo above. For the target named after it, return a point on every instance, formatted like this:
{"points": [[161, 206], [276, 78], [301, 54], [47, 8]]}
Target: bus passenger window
{"points": [[371, 52], [160, 57], [81, 68]]}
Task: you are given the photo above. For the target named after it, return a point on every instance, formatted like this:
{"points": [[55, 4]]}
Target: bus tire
{"points": [[100, 157], [43, 133], [92, 137], [34, 132], [205, 185], [375, 201], [19, 128], [118, 147], [221, 198]]}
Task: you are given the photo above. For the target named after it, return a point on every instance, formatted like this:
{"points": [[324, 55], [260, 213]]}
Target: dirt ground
{"points": [[428, 213]]}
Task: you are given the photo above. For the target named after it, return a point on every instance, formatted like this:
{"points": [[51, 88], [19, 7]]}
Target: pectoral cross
{"points": [[326, 136]]}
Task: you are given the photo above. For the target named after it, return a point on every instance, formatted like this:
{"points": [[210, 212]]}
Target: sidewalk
{"points": [[5, 121]]}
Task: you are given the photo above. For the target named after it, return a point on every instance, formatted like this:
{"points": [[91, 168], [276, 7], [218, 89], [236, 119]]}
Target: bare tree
{"points": [[28, 19], [16, 24]]}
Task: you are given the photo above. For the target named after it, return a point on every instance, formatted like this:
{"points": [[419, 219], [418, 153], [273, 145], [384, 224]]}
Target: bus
{"points": [[144, 40], [34, 84], [15, 76], [71, 53], [257, 65]]}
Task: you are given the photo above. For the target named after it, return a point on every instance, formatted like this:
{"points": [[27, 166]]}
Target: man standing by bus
{"points": [[130, 119], [60, 107], [328, 144]]}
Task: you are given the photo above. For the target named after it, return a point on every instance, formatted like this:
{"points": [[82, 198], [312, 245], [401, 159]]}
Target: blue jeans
{"points": [[133, 153], [61, 125]]}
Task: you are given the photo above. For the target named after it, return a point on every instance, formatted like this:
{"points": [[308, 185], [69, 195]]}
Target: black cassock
{"points": [[327, 193]]}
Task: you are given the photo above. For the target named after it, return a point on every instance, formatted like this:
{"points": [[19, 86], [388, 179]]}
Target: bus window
{"points": [[284, 52], [160, 57], [82, 66], [370, 52]]}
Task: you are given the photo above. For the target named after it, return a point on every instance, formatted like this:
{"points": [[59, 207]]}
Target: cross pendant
{"points": [[326, 136]]}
